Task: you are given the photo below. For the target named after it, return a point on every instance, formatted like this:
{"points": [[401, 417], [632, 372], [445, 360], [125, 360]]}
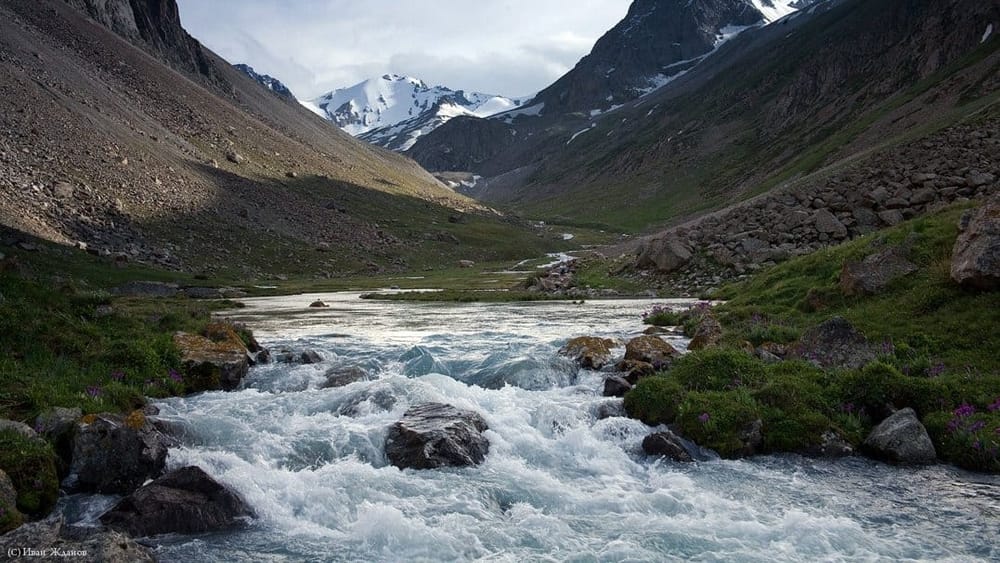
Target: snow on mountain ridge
{"points": [[381, 110]]}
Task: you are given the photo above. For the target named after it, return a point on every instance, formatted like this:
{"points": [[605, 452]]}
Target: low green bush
{"points": [[967, 437], [718, 369], [654, 400], [717, 419], [31, 465]]}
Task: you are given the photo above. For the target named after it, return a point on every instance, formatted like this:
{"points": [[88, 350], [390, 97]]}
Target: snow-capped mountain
{"points": [[269, 82], [393, 111]]}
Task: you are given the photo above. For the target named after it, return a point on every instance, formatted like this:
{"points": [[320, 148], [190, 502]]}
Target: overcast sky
{"points": [[510, 47]]}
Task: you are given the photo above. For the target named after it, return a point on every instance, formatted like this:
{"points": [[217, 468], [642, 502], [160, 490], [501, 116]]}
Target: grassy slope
{"points": [[939, 356]]}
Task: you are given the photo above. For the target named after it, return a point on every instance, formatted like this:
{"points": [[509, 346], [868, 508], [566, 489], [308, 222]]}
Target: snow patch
{"points": [[989, 31], [568, 236], [774, 10], [578, 133]]}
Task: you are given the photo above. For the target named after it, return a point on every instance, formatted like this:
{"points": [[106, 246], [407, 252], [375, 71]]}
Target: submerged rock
{"points": [[589, 352], [901, 438], [975, 259], [437, 435], [184, 501], [615, 386], [343, 376], [670, 445], [113, 454]]}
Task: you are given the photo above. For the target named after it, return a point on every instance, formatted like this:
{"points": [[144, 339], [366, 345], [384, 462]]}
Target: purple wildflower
{"points": [[704, 418], [977, 445], [888, 348], [977, 426], [936, 370], [965, 410], [848, 408], [94, 391], [118, 376], [995, 406], [176, 377]]}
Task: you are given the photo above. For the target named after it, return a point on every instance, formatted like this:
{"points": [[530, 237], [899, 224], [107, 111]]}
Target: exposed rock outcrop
{"points": [[588, 351], [975, 259], [114, 454], [184, 501], [901, 438], [436, 435], [835, 343], [665, 254], [218, 360], [875, 272], [99, 544]]}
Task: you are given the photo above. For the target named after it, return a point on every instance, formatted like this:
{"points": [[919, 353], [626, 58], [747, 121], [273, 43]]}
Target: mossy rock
{"points": [[10, 516], [718, 369], [31, 465], [720, 420], [654, 400]]}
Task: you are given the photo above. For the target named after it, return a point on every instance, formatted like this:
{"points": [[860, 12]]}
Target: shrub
{"points": [[871, 389], [31, 465], [654, 400], [718, 369], [661, 315], [717, 419], [793, 430], [967, 436]]}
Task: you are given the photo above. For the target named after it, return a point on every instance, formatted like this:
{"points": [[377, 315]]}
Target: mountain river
{"points": [[559, 483]]}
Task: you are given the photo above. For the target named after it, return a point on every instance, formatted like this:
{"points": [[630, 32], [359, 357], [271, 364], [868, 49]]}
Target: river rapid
{"points": [[559, 483]]}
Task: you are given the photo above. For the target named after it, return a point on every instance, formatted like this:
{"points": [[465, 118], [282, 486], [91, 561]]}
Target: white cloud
{"points": [[512, 47]]}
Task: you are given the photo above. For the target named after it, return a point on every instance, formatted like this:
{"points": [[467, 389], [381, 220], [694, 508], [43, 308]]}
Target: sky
{"points": [[509, 47]]}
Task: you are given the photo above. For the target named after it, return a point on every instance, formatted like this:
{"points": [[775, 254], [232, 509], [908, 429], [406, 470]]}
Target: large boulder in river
{"points": [[114, 454], [437, 435], [218, 360], [901, 438], [589, 351], [184, 501], [671, 446], [343, 376], [834, 343], [650, 349], [975, 261], [665, 254]]}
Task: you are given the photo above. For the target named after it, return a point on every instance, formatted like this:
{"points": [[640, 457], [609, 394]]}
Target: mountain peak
{"points": [[269, 82], [393, 110]]}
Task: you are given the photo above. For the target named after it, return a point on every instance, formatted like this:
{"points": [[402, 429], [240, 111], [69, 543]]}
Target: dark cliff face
{"points": [[154, 25], [653, 36], [479, 139], [267, 81]]}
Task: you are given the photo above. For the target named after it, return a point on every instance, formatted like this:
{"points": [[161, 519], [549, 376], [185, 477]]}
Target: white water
{"points": [[558, 484]]}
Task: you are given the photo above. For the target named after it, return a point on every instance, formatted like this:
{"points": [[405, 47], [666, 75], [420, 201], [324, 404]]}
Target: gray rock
{"points": [[892, 217], [834, 343], [876, 272], [10, 517], [589, 352], [310, 357], [63, 190], [828, 223], [18, 428], [977, 179], [184, 501], [922, 196], [901, 438], [975, 261], [610, 409], [670, 445], [106, 546], [58, 425], [751, 437], [343, 376], [235, 157], [436, 435], [665, 254], [616, 386], [115, 455], [146, 289], [831, 445], [879, 195]]}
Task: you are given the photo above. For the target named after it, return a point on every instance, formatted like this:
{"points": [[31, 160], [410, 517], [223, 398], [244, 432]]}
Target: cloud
{"points": [[512, 47]]}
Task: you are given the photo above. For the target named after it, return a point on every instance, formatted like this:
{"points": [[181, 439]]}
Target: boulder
{"points": [[146, 289], [310, 357], [834, 343], [634, 371], [827, 222], [437, 435], [610, 409], [588, 351], [343, 376], [18, 428], [184, 501], [10, 516], [707, 334], [751, 437], [235, 157], [901, 438], [218, 360], [875, 272], [101, 544], [113, 454], [665, 254], [891, 217], [616, 386], [831, 445], [58, 425], [318, 304], [975, 261], [652, 350], [466, 263], [670, 445]]}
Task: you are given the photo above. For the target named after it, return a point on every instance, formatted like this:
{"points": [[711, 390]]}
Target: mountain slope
{"points": [[766, 107], [393, 111], [196, 166]]}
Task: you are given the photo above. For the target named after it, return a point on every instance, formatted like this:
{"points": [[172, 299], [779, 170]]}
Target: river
{"points": [[559, 483]]}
